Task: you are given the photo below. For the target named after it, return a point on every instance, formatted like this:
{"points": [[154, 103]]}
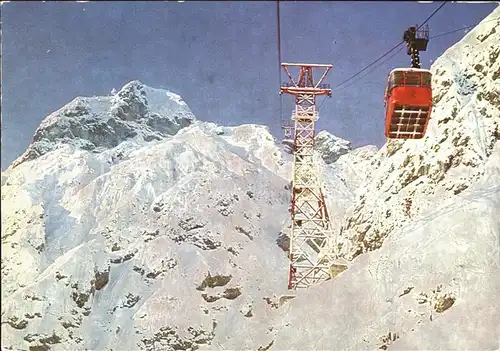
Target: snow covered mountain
{"points": [[128, 224], [118, 234]]}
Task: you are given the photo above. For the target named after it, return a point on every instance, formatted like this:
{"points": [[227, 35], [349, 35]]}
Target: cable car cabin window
{"points": [[412, 79], [426, 79], [395, 80], [409, 78]]}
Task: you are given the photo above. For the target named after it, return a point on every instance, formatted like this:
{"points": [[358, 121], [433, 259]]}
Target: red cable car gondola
{"points": [[408, 95]]}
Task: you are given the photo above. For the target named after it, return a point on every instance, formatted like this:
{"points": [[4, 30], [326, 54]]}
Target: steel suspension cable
{"points": [[278, 33], [391, 50]]}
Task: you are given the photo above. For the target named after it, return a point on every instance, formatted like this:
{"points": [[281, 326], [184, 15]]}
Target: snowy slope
{"points": [[115, 256], [432, 286], [343, 171]]}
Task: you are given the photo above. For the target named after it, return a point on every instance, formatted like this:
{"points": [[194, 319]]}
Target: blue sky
{"points": [[220, 56]]}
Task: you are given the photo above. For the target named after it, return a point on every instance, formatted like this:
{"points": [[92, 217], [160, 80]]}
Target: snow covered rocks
{"points": [[331, 147]]}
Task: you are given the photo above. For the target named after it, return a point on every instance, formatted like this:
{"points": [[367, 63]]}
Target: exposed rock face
{"points": [[127, 224]]}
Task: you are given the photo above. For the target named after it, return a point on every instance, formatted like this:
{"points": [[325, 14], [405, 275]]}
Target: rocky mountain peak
{"points": [[136, 112]]}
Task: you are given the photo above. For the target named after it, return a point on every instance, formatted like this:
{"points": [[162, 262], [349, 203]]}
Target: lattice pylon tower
{"points": [[311, 235]]}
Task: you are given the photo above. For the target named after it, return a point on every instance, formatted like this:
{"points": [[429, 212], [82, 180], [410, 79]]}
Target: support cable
{"points": [[401, 48], [391, 50], [381, 57], [278, 33]]}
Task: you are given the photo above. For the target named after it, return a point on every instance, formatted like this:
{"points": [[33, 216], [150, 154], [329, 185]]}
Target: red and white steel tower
{"points": [[311, 239]]}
